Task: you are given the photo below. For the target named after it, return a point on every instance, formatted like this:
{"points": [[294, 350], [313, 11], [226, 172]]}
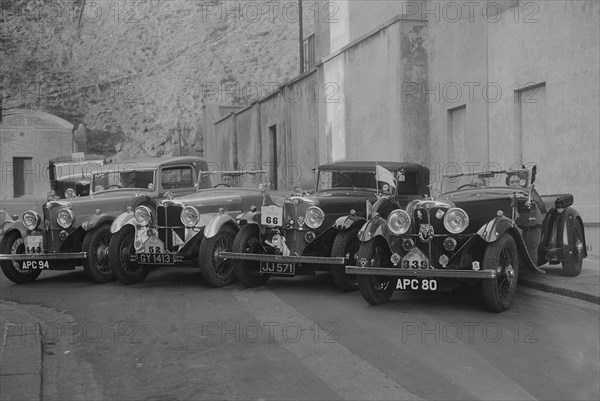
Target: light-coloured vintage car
{"points": [[72, 232], [187, 231]]}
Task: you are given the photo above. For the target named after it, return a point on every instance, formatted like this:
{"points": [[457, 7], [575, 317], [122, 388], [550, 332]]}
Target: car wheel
{"points": [[248, 271], [572, 266], [375, 290], [96, 265], [501, 256], [346, 245], [120, 250], [13, 243], [215, 270]]}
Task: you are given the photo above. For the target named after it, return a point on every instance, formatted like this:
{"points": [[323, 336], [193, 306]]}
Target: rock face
{"points": [[136, 73]]}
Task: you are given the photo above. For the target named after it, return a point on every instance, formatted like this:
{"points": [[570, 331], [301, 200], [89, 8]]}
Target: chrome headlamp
{"points": [[31, 220], [314, 217], [65, 217], [189, 216], [456, 220], [399, 222], [70, 193], [142, 215]]}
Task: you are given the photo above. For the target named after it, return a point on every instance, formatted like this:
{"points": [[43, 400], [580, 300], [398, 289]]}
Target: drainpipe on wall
{"points": [[301, 37]]}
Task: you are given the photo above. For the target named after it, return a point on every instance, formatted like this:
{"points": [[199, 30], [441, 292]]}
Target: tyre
{"points": [[96, 244], [501, 256], [375, 290], [13, 243], [248, 271], [215, 270], [120, 250], [572, 266], [346, 244]]}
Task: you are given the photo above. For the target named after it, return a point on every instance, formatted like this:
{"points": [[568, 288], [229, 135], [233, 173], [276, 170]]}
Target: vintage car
{"points": [[70, 175], [485, 233], [317, 231], [188, 231], [71, 232]]}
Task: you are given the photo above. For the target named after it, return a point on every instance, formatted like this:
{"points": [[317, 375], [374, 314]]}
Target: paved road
{"points": [[172, 337]]}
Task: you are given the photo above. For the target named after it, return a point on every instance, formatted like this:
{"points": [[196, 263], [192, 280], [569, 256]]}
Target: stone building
{"points": [[28, 140], [454, 85]]}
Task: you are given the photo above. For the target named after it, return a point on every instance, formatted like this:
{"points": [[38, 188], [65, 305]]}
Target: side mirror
{"points": [[533, 173]]}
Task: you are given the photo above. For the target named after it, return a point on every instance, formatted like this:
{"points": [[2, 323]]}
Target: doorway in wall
{"points": [[22, 182], [273, 160]]}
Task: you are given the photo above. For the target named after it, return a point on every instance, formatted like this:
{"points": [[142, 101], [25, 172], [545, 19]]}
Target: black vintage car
{"points": [[312, 231], [485, 233], [67, 233], [70, 176]]}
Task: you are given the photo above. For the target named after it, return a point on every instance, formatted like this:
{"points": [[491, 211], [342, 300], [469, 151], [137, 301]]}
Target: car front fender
{"points": [[215, 225], [121, 221], [372, 228], [248, 218], [346, 222], [14, 226], [501, 225], [96, 220], [494, 229]]}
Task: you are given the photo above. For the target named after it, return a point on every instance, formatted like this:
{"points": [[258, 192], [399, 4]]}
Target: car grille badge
{"points": [[426, 232], [177, 239]]}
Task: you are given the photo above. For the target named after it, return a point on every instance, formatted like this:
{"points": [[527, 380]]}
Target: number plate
{"points": [[34, 244], [415, 284], [35, 264], [415, 259], [154, 253], [285, 269], [154, 245], [155, 258], [271, 215]]}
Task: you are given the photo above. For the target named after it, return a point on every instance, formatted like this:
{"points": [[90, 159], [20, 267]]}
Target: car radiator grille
{"points": [[169, 222], [434, 249]]}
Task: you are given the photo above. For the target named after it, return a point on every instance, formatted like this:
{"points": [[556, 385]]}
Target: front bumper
{"points": [[44, 256], [284, 259], [399, 272]]}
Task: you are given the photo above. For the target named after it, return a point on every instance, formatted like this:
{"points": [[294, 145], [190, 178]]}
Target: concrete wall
{"points": [[478, 85], [36, 135], [540, 61], [277, 133], [367, 118], [341, 22]]}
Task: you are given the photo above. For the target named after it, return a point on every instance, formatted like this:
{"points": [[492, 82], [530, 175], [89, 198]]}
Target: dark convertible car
{"points": [[486, 233], [316, 231]]}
